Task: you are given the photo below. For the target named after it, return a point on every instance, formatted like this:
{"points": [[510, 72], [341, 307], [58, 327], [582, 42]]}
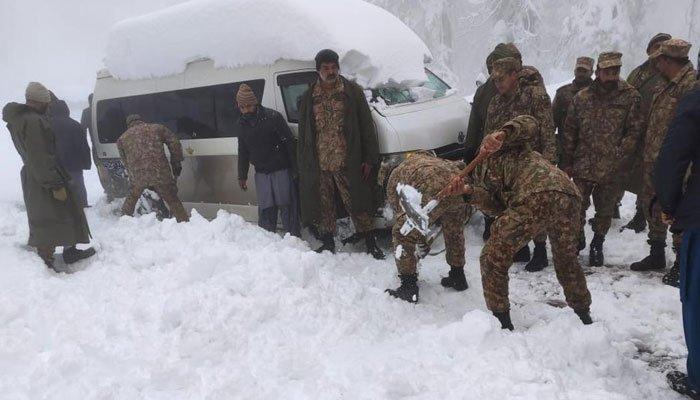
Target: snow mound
{"points": [[375, 47]]}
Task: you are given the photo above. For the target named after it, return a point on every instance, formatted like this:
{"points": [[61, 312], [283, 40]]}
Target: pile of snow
{"points": [[375, 47]]}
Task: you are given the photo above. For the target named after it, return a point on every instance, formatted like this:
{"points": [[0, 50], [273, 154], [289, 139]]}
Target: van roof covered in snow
{"points": [[375, 47]]}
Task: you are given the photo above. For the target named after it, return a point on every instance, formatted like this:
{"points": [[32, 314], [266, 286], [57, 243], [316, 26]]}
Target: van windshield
{"points": [[432, 88]]}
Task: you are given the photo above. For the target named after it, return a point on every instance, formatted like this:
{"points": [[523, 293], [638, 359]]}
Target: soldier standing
{"points": [[648, 82], [671, 59], [337, 150], [603, 127], [521, 93], [562, 99], [530, 196], [429, 175], [141, 151]]}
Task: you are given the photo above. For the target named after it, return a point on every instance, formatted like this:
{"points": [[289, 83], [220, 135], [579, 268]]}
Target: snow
{"points": [[238, 32]]}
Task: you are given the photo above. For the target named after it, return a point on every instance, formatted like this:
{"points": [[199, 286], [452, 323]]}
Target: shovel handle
{"points": [[466, 171]]}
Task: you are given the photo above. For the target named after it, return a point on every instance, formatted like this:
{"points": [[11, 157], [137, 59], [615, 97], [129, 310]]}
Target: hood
{"points": [[59, 109], [12, 111]]}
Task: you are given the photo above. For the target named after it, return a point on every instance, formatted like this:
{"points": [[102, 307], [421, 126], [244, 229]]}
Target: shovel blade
{"points": [[415, 216]]}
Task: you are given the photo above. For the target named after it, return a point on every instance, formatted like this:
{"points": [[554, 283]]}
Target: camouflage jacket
{"points": [[141, 151], [562, 101], [661, 111], [527, 100], [508, 177], [329, 112], [602, 131], [648, 82]]}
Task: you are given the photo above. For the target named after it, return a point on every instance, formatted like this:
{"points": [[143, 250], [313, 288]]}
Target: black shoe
{"points": [[539, 258], [638, 223], [504, 319], [408, 291], [372, 248], [616, 212], [595, 256], [488, 221], [678, 381], [455, 279], [523, 255], [585, 316], [72, 254], [656, 260], [673, 277], [328, 244]]}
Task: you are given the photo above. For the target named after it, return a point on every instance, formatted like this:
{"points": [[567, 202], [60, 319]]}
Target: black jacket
{"points": [[266, 142], [72, 147], [680, 148], [477, 119]]}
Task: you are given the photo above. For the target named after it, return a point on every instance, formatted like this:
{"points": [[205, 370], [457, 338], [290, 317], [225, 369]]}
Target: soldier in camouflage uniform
{"points": [[141, 151], [520, 93], [562, 99], [603, 127], [648, 81], [529, 195], [429, 175], [671, 59]]}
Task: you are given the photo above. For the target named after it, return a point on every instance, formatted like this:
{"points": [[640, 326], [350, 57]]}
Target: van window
{"points": [[432, 88], [197, 113], [293, 87]]}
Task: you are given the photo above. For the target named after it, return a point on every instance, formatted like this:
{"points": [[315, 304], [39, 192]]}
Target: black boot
{"points": [[328, 243], [673, 277], [523, 255], [504, 319], [638, 223], [656, 260], [678, 381], [372, 248], [539, 258], [72, 254], [408, 291], [488, 221], [595, 256], [455, 279], [585, 316]]}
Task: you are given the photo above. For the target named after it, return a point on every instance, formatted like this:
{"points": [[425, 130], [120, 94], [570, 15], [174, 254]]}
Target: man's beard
{"points": [[609, 86]]}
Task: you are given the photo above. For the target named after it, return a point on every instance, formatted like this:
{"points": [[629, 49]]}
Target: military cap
{"points": [[674, 48], [658, 38], [609, 59], [132, 118], [504, 66], [585, 63]]}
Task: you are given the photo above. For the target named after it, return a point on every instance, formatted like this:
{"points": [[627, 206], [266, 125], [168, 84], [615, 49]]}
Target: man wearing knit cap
{"points": [[55, 217], [266, 141], [648, 82], [603, 127], [338, 151], [582, 79], [671, 60]]}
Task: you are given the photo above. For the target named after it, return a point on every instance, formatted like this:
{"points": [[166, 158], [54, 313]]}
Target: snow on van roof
{"points": [[375, 47]]}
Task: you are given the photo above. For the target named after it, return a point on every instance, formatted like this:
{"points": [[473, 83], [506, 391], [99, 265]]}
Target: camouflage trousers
{"points": [[604, 199], [452, 218], [657, 229], [166, 192], [555, 213], [329, 182]]}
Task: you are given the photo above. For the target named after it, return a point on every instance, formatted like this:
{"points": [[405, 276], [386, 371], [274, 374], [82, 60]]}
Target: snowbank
{"points": [[375, 46]]}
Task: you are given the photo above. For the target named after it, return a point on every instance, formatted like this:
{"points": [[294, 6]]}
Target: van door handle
{"points": [[189, 150]]}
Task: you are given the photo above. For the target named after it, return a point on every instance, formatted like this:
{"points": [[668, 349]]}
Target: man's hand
{"points": [[243, 184], [60, 194], [366, 172], [493, 142], [456, 187], [177, 169], [667, 219]]}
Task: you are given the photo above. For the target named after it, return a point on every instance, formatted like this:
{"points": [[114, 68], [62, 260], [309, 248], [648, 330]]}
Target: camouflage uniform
{"points": [[530, 195], [331, 147], [141, 151], [428, 174], [661, 111], [563, 97], [603, 129]]}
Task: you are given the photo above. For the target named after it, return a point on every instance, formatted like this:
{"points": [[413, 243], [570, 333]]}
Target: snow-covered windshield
{"points": [[432, 88]]}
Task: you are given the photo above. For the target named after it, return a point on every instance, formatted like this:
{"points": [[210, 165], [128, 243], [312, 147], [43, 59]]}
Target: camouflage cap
{"points": [[132, 118], [674, 48], [658, 38], [505, 66], [585, 63], [609, 59]]}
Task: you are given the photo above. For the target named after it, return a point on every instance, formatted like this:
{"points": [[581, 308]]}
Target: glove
{"points": [[177, 169], [60, 194]]}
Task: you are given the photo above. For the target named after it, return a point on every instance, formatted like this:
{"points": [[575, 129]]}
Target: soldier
{"points": [[648, 81], [55, 217], [520, 93], [562, 99], [337, 150], [530, 196], [671, 59], [141, 151], [428, 174], [603, 127]]}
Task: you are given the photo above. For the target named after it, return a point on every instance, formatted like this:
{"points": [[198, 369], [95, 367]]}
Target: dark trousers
{"points": [[77, 186], [690, 297]]}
